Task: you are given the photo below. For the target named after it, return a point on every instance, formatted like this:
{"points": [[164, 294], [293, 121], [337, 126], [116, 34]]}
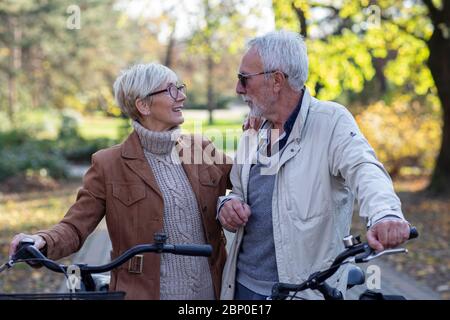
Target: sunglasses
{"points": [[243, 77]]}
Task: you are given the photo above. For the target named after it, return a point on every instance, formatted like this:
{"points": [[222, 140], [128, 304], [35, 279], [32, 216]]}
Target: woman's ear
{"points": [[142, 107]]}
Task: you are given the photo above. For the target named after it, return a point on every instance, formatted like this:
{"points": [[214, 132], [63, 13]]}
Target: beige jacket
{"points": [[326, 163]]}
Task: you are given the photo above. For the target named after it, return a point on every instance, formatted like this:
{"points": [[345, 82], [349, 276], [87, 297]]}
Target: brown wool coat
{"points": [[121, 187]]}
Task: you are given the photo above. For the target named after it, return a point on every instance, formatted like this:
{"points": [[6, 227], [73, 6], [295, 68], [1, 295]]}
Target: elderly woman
{"points": [[141, 187]]}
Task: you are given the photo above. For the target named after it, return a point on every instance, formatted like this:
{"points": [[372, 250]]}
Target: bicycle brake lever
{"points": [[20, 247], [6, 265], [374, 255]]}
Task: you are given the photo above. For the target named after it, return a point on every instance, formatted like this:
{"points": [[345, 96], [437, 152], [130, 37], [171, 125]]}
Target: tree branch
{"points": [[324, 6], [435, 14], [302, 19]]}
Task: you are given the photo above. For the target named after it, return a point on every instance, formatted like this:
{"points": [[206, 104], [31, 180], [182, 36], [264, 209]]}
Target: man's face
{"points": [[257, 92]]}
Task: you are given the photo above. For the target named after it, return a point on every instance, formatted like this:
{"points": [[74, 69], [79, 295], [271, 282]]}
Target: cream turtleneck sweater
{"points": [[182, 277]]}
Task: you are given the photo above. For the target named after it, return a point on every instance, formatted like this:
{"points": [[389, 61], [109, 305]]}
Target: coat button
{"points": [[204, 208]]}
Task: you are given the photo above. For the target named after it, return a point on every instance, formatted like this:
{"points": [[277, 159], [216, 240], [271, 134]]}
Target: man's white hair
{"points": [[284, 51], [137, 82]]}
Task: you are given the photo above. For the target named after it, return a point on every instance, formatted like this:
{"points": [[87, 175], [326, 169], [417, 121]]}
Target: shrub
{"points": [[32, 156], [402, 134], [80, 150]]}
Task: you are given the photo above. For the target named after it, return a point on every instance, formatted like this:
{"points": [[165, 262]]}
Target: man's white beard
{"points": [[255, 111]]}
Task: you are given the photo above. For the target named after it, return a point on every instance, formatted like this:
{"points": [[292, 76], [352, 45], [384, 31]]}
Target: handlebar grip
{"points": [[21, 249], [24, 243], [204, 250], [413, 233]]}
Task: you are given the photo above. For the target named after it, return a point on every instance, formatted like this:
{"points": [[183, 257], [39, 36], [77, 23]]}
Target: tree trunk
{"points": [[301, 19], [15, 59], [210, 93], [439, 64], [11, 97], [168, 61], [379, 65]]}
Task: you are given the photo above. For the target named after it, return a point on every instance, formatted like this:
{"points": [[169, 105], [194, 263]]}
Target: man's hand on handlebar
{"points": [[39, 242], [388, 233]]}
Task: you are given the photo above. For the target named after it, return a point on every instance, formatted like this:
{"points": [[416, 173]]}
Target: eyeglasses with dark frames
{"points": [[173, 90], [243, 76]]}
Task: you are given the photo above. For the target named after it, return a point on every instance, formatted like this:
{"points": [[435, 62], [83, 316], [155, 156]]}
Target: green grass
{"points": [[225, 131], [92, 127]]}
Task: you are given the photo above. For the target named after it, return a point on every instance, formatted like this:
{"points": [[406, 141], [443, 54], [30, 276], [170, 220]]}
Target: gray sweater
{"points": [[256, 265], [182, 277]]}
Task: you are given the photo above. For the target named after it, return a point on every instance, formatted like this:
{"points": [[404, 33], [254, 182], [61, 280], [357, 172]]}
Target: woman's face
{"points": [[166, 107]]}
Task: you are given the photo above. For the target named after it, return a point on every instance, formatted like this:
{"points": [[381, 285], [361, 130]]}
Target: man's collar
{"points": [[289, 124]]}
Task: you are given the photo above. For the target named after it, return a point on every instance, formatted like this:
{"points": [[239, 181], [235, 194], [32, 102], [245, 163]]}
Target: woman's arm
{"points": [[82, 218]]}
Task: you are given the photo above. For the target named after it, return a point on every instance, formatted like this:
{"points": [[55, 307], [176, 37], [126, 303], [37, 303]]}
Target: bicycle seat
{"points": [[355, 276]]}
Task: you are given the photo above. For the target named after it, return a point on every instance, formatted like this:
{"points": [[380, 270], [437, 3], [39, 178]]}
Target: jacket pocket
{"points": [[128, 194]]}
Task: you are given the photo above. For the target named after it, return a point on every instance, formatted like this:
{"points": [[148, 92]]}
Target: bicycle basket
{"points": [[115, 295]]}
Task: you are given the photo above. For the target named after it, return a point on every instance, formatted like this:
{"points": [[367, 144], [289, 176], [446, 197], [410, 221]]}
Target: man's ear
{"points": [[142, 107], [279, 80]]}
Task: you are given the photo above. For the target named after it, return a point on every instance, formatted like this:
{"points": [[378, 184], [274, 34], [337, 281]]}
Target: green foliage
{"points": [[342, 63], [43, 62], [14, 137], [78, 149], [72, 145], [31, 156], [23, 153], [69, 127], [196, 102], [343, 49]]}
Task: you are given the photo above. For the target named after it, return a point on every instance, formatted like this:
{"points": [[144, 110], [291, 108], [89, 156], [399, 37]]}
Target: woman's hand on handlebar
{"points": [[39, 242], [388, 233]]}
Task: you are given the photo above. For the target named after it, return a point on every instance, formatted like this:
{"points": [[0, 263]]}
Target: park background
{"points": [[387, 61]]}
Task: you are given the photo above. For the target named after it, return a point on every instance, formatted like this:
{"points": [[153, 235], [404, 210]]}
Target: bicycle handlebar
{"points": [[27, 251], [179, 249], [361, 252]]}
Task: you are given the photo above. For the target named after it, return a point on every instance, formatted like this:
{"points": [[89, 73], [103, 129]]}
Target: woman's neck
{"points": [[157, 142]]}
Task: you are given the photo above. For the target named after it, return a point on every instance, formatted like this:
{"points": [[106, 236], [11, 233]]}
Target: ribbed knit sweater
{"points": [[182, 277]]}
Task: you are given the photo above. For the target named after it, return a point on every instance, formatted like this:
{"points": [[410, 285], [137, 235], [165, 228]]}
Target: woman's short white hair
{"points": [[137, 82], [285, 51]]}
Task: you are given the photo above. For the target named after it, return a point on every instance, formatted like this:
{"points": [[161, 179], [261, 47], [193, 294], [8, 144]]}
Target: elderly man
{"points": [[295, 179]]}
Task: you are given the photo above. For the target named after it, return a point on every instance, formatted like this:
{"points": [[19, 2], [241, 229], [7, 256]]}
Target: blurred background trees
{"points": [[388, 61]]}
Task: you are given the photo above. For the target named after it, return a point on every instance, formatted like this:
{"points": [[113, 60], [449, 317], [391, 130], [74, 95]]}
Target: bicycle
{"points": [[355, 252], [93, 285]]}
